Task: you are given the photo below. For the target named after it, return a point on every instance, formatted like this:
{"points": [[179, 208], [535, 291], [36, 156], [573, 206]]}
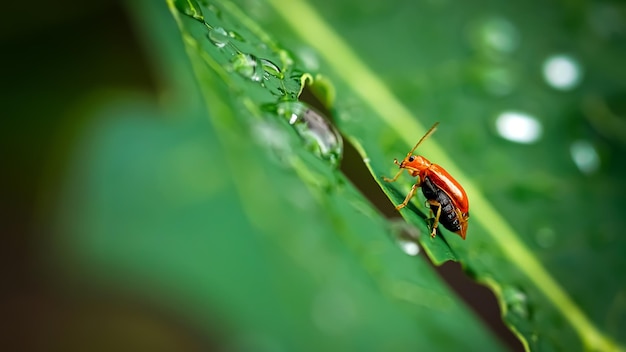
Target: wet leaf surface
{"points": [[222, 209]]}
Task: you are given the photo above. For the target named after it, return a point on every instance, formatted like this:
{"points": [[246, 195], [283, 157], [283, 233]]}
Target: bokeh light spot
{"points": [[562, 72], [585, 156], [518, 127]]}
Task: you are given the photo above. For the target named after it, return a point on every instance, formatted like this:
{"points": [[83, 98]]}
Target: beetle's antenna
{"points": [[430, 131]]}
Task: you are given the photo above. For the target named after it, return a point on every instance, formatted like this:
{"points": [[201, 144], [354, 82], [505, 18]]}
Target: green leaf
{"points": [[217, 207], [544, 236]]}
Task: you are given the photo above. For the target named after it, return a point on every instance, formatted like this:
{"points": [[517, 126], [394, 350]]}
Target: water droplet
{"points": [[219, 37], [333, 311], [248, 66], [190, 8], [405, 236], [271, 68], [496, 34], [409, 247], [545, 237], [516, 301], [318, 134], [562, 72], [585, 156], [518, 127]]}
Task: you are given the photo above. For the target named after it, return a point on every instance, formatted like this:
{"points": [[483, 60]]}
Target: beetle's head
{"points": [[416, 162], [413, 163]]}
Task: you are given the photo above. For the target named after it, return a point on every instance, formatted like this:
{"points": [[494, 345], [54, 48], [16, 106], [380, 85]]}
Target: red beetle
{"points": [[447, 199]]}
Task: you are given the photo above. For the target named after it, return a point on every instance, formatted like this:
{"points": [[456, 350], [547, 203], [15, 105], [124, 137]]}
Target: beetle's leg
{"points": [[394, 178], [436, 222], [409, 196]]}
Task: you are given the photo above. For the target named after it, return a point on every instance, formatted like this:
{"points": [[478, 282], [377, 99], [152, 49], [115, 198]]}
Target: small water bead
{"points": [[271, 68], [248, 66], [190, 8], [409, 247], [219, 37], [318, 134], [516, 301], [405, 235]]}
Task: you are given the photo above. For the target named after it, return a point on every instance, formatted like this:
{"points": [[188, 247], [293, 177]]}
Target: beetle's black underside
{"points": [[448, 217]]}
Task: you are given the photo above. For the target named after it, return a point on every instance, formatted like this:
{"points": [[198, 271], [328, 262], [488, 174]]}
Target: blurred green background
{"points": [[145, 209]]}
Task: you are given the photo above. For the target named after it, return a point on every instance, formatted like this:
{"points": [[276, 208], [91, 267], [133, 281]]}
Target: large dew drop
{"points": [[318, 134]]}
